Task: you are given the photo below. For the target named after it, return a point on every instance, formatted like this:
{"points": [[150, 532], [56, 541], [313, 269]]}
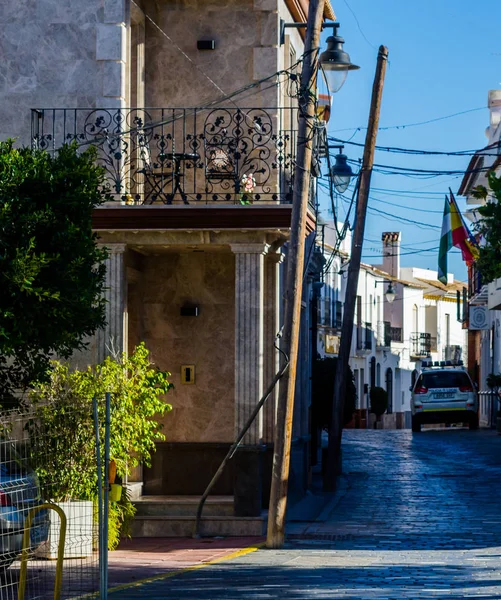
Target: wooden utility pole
{"points": [[294, 277], [333, 466]]}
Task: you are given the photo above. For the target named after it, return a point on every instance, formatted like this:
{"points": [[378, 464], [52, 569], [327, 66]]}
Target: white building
{"points": [[390, 338], [484, 297]]}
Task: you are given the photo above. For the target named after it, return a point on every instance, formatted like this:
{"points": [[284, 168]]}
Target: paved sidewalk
{"points": [[152, 558]]}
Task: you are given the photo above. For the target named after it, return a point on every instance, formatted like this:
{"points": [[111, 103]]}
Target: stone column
{"points": [[111, 52], [271, 328], [113, 337], [249, 335]]}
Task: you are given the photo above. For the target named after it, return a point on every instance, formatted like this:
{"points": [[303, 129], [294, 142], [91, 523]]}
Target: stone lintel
{"points": [[250, 248], [222, 240]]}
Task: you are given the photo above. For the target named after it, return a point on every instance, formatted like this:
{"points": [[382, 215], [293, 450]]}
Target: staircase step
{"points": [[158, 526], [182, 506]]}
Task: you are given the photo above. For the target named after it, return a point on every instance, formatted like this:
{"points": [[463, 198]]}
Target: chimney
{"points": [[391, 252], [494, 104]]}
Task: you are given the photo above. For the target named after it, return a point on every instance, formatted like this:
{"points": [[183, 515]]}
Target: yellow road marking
{"points": [[163, 576]]}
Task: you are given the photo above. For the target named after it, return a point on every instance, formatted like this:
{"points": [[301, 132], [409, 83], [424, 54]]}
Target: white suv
{"points": [[443, 394]]}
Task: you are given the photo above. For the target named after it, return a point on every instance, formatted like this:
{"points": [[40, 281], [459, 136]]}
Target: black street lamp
{"points": [[335, 62], [341, 172]]}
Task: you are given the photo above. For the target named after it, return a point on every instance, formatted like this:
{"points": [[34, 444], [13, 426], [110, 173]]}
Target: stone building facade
{"points": [[90, 69]]}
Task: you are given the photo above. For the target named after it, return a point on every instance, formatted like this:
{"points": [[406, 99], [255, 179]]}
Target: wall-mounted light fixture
{"points": [[206, 44], [189, 310], [390, 292]]}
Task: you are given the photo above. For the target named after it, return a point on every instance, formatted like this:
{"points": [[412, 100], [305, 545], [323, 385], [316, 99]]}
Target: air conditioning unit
{"points": [[478, 318]]}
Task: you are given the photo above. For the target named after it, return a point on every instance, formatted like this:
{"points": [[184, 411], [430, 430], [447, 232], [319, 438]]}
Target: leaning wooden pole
{"points": [[333, 466], [294, 278]]}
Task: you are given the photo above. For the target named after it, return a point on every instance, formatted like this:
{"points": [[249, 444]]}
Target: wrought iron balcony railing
{"points": [[368, 336], [420, 344], [182, 156], [364, 337], [396, 334]]}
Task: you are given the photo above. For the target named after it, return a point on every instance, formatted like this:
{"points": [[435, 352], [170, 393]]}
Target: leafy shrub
{"points": [[379, 401], [61, 426]]}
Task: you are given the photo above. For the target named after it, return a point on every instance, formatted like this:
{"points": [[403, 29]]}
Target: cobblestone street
{"points": [[417, 516]]}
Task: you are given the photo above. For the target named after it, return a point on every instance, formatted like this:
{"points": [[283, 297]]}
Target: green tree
{"points": [[489, 261], [51, 270]]}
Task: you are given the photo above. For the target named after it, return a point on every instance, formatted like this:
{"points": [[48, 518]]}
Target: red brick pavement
{"points": [[143, 558]]}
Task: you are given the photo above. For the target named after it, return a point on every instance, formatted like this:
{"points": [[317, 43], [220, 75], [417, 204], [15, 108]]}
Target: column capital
{"points": [[114, 248], [258, 248], [276, 257]]}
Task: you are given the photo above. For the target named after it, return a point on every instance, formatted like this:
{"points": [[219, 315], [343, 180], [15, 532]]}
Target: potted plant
{"points": [[62, 438], [379, 402]]}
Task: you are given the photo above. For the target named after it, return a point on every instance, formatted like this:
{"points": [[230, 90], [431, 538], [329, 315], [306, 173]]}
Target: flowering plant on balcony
{"points": [[248, 184]]}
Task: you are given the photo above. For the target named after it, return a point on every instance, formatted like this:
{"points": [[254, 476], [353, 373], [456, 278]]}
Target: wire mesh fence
{"points": [[48, 468]]}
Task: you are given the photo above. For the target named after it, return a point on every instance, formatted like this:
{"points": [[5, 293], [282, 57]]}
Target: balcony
{"points": [[364, 339], [474, 281], [420, 345], [168, 156]]}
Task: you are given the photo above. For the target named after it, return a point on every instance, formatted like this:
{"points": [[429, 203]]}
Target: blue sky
{"points": [[444, 57]]}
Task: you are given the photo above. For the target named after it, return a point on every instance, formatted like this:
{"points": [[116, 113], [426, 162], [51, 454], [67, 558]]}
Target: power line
{"points": [[463, 112], [398, 218], [426, 210], [434, 249], [398, 150], [390, 216], [358, 25], [407, 193], [403, 170]]}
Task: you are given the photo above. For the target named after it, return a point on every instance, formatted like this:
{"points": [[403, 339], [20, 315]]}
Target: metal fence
{"points": [[49, 540], [182, 155]]}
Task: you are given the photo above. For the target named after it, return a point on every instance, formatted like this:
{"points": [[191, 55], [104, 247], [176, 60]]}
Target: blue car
{"points": [[19, 493]]}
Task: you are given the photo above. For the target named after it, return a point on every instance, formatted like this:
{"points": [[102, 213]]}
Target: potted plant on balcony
{"points": [[62, 439], [379, 403], [248, 184]]}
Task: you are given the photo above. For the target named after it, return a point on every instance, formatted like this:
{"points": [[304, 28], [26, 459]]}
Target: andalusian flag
{"points": [[445, 243]]}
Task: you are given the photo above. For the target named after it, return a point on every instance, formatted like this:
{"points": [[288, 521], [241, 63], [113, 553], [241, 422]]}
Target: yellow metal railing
{"points": [[60, 550]]}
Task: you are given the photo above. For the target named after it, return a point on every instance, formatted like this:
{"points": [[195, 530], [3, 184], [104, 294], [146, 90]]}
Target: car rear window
{"points": [[443, 379]]}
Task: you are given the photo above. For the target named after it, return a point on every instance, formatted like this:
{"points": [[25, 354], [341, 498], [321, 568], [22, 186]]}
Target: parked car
{"points": [[19, 493], [443, 394]]}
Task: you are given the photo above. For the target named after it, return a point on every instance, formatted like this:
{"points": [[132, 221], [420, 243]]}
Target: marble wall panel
{"points": [[233, 24], [48, 59], [203, 412]]}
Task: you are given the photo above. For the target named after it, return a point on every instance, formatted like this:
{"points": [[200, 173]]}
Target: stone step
{"points": [[183, 506], [158, 526]]}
